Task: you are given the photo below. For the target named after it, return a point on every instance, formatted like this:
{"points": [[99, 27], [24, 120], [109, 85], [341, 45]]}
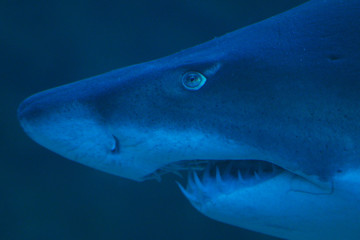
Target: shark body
{"points": [[268, 116]]}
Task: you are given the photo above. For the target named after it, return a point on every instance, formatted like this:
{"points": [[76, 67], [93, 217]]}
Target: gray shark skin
{"points": [[273, 129]]}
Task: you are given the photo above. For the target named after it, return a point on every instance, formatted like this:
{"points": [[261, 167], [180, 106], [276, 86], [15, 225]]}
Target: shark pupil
{"points": [[193, 80]]}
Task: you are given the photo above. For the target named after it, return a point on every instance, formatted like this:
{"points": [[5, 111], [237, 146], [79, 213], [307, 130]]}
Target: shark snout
{"points": [[69, 126], [39, 106], [56, 120], [30, 109]]}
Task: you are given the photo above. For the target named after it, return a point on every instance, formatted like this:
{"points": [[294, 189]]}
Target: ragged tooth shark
{"points": [[267, 119]]}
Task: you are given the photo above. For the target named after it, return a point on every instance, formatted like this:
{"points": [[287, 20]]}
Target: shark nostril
{"points": [[116, 145]]}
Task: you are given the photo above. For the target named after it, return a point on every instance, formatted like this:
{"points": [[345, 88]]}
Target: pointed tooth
{"points": [[181, 187], [187, 194], [240, 177], [197, 181], [218, 176]]}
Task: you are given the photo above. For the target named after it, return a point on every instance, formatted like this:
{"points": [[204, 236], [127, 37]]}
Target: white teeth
{"points": [[240, 178], [185, 192], [218, 176], [221, 178], [197, 181], [181, 188]]}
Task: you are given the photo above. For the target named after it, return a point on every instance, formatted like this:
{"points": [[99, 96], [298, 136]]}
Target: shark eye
{"points": [[193, 80]]}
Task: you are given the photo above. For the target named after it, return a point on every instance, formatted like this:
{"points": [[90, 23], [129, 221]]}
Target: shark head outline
{"points": [[273, 99]]}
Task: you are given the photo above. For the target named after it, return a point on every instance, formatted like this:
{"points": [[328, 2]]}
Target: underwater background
{"points": [[44, 44]]}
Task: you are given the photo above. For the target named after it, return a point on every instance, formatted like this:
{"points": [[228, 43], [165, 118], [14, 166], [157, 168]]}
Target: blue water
{"points": [[47, 43]]}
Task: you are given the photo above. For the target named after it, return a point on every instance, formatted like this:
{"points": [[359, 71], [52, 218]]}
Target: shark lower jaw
{"points": [[251, 194]]}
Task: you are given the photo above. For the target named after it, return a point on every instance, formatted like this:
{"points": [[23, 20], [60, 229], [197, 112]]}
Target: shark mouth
{"points": [[219, 176]]}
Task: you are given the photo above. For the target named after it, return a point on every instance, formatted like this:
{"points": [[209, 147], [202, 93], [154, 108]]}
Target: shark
{"points": [[264, 120]]}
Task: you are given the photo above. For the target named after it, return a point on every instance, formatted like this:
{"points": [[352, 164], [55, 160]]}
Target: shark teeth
{"points": [[239, 176], [225, 177]]}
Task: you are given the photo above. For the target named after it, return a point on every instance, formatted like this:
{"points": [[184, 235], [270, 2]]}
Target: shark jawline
{"points": [[223, 174]]}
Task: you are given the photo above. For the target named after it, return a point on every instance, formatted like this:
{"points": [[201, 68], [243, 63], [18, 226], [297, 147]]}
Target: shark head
{"points": [[266, 126]]}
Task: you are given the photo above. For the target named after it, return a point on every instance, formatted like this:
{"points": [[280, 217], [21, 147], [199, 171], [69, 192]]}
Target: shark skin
{"points": [[282, 94]]}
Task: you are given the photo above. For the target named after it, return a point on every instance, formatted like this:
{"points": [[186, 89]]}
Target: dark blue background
{"points": [[47, 43]]}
